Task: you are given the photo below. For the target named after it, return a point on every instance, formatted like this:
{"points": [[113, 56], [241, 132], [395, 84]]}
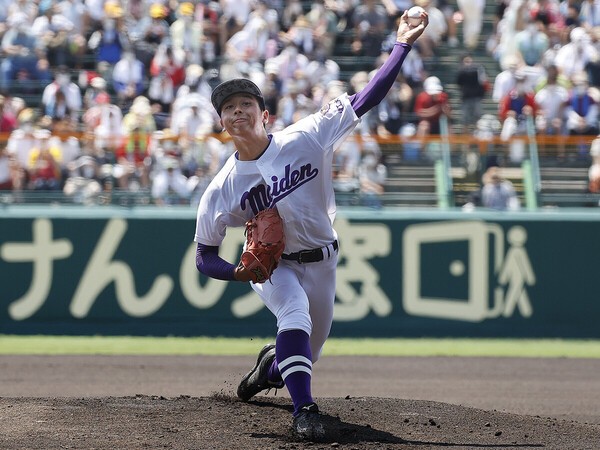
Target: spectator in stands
{"points": [[577, 54], [154, 31], [23, 57], [589, 14], [45, 173], [272, 88], [167, 73], [569, 10], [108, 41], [61, 99], [249, 45], [369, 23], [473, 84], [323, 23], [517, 110], [195, 123], [170, 186], [431, 104], [322, 70], [301, 35], [187, 36], [96, 87], [103, 122], [532, 42], [372, 175], [551, 100], [497, 192], [293, 105], [76, 12], [21, 141], [435, 31], [128, 78], [57, 36], [288, 63], [518, 104], [472, 15], [506, 80], [582, 109], [234, 15], [133, 157], [502, 43]]}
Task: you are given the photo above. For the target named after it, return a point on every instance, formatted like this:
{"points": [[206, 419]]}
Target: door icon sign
{"points": [[448, 269]]}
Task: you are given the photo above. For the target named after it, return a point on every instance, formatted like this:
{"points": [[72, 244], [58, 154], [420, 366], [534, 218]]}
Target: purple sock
{"points": [[294, 361]]}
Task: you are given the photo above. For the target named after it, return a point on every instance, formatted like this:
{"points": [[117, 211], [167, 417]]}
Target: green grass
{"points": [[124, 345]]}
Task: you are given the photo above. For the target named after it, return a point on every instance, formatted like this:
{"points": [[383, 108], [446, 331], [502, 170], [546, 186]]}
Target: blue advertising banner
{"points": [[401, 274]]}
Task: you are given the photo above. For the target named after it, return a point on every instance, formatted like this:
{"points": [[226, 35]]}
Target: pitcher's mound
{"points": [[224, 422]]}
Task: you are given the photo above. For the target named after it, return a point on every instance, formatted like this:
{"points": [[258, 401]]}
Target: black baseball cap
{"points": [[236, 86]]}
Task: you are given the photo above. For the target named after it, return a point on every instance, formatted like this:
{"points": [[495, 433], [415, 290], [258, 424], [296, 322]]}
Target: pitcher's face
{"points": [[241, 113]]}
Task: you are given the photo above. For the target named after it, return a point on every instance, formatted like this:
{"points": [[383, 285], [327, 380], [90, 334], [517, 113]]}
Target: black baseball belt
{"points": [[314, 255]]}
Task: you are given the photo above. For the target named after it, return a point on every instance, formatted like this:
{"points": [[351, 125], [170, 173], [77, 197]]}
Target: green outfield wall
{"points": [[402, 273]]}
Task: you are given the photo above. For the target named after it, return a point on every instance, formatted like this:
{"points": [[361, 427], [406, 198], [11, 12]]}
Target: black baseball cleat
{"points": [[257, 379], [307, 424]]}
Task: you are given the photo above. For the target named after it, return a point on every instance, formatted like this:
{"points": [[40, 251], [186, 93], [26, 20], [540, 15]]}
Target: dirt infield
{"points": [[124, 402]]}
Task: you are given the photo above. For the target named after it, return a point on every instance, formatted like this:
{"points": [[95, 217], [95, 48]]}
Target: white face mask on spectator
{"points": [[109, 24], [63, 80], [370, 161]]}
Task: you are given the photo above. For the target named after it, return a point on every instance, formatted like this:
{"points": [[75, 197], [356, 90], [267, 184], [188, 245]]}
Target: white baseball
{"points": [[414, 15]]}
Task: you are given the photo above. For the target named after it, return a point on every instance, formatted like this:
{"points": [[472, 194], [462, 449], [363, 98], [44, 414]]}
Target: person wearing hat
{"points": [[290, 170], [149, 31], [44, 169], [103, 122], [133, 155], [187, 34], [108, 40], [497, 192], [431, 104]]}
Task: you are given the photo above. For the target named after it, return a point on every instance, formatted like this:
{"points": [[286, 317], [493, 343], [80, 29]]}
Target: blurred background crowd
{"points": [[106, 96]]}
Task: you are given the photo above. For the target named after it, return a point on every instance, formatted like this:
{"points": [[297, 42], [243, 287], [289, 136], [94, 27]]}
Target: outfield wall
{"points": [[119, 271]]}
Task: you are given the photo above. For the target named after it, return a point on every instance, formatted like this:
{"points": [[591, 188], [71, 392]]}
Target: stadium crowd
{"points": [[100, 96]]}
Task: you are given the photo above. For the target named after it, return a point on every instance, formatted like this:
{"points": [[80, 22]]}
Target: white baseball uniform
{"points": [[295, 175]]}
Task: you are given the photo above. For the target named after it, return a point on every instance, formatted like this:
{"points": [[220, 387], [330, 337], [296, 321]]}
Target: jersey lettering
{"points": [[262, 196]]}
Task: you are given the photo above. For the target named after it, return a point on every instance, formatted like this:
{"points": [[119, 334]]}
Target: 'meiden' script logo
{"points": [[266, 196]]}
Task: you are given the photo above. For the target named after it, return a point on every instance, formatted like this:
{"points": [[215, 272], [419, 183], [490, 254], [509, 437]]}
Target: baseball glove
{"points": [[265, 242]]}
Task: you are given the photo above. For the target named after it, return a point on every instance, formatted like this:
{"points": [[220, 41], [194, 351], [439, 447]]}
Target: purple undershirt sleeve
{"points": [[212, 265], [378, 87]]}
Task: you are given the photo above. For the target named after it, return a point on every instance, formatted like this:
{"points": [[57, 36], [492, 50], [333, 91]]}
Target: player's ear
{"points": [[265, 117], [222, 126]]}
